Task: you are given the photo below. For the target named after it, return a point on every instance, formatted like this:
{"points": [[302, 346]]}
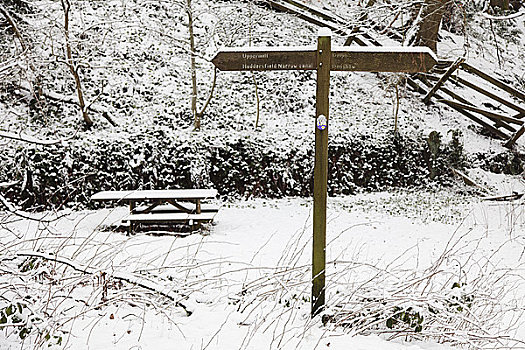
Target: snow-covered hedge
{"points": [[240, 164]]}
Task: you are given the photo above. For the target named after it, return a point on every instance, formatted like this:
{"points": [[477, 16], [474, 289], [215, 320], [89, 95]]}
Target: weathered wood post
{"points": [[324, 57]]}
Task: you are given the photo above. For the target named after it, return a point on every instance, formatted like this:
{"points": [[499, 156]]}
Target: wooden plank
{"points": [[388, 31], [444, 64], [472, 117], [131, 226], [497, 123], [515, 137], [308, 17], [414, 85], [146, 209], [508, 197], [442, 80], [168, 208], [357, 40], [429, 76], [383, 59], [364, 59], [324, 56], [488, 94], [169, 217], [184, 194], [468, 180], [372, 40], [312, 9], [486, 113], [494, 81], [439, 71]]}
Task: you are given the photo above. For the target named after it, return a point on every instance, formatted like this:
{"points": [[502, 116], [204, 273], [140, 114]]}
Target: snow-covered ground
{"points": [[245, 279]]}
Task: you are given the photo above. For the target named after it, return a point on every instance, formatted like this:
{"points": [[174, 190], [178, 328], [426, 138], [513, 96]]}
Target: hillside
{"points": [[135, 69]]}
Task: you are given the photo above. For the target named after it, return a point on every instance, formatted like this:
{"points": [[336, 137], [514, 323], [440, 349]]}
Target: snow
{"points": [[324, 31], [233, 275], [299, 48], [386, 49], [249, 242], [502, 18], [155, 194]]}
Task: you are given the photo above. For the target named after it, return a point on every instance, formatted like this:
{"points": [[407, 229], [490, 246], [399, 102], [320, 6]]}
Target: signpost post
{"points": [[324, 59]]}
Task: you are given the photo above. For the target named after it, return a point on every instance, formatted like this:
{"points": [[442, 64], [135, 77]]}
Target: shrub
{"points": [[238, 165]]}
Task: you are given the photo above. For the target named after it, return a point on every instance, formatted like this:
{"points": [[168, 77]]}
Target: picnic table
{"points": [[164, 206]]}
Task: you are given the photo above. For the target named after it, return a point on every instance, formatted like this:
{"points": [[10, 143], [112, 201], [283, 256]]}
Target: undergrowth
{"points": [[238, 166]]}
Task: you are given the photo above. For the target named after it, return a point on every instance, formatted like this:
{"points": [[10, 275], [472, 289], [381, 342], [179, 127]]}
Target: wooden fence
{"points": [[486, 100]]}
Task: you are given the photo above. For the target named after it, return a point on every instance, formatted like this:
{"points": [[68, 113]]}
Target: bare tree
{"points": [[197, 115], [73, 66]]}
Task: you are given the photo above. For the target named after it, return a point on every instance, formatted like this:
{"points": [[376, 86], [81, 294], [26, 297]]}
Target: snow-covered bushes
{"points": [[240, 164], [501, 163], [24, 315]]}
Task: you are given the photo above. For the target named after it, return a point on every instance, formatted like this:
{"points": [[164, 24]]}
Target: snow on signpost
{"points": [[323, 59]]}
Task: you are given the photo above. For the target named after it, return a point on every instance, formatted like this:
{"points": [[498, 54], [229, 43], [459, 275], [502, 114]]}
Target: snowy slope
{"points": [[138, 58]]}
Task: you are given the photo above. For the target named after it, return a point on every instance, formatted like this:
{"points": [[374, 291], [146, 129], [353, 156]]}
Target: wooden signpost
{"points": [[323, 59]]}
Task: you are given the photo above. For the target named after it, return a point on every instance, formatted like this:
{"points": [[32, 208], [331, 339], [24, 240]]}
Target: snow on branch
{"points": [[31, 139], [13, 210], [140, 281], [502, 18]]}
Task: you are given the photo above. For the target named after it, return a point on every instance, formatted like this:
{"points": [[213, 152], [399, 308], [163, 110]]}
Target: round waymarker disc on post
{"points": [[321, 122]]}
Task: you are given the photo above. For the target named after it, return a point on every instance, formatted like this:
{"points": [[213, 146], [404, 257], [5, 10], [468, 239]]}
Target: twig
{"points": [[13, 25], [123, 276], [258, 100], [495, 42], [72, 67], [502, 18], [468, 180]]}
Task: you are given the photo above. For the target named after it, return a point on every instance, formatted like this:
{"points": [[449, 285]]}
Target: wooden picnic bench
{"points": [[164, 206]]}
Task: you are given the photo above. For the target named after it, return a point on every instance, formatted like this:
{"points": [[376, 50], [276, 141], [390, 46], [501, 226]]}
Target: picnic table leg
{"points": [[197, 225], [131, 208]]}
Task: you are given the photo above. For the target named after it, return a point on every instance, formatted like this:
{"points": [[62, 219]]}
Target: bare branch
{"points": [[34, 140], [201, 113], [123, 276], [502, 18], [66, 6], [13, 25]]}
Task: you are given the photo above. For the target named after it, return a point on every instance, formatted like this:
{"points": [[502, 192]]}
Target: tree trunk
{"points": [[430, 21], [196, 116], [72, 66]]}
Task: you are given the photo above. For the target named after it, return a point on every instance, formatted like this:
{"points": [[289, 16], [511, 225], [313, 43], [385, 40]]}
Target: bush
{"points": [[239, 165]]}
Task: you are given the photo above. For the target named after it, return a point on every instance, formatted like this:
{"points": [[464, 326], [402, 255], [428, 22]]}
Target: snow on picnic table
{"points": [[249, 237]]}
